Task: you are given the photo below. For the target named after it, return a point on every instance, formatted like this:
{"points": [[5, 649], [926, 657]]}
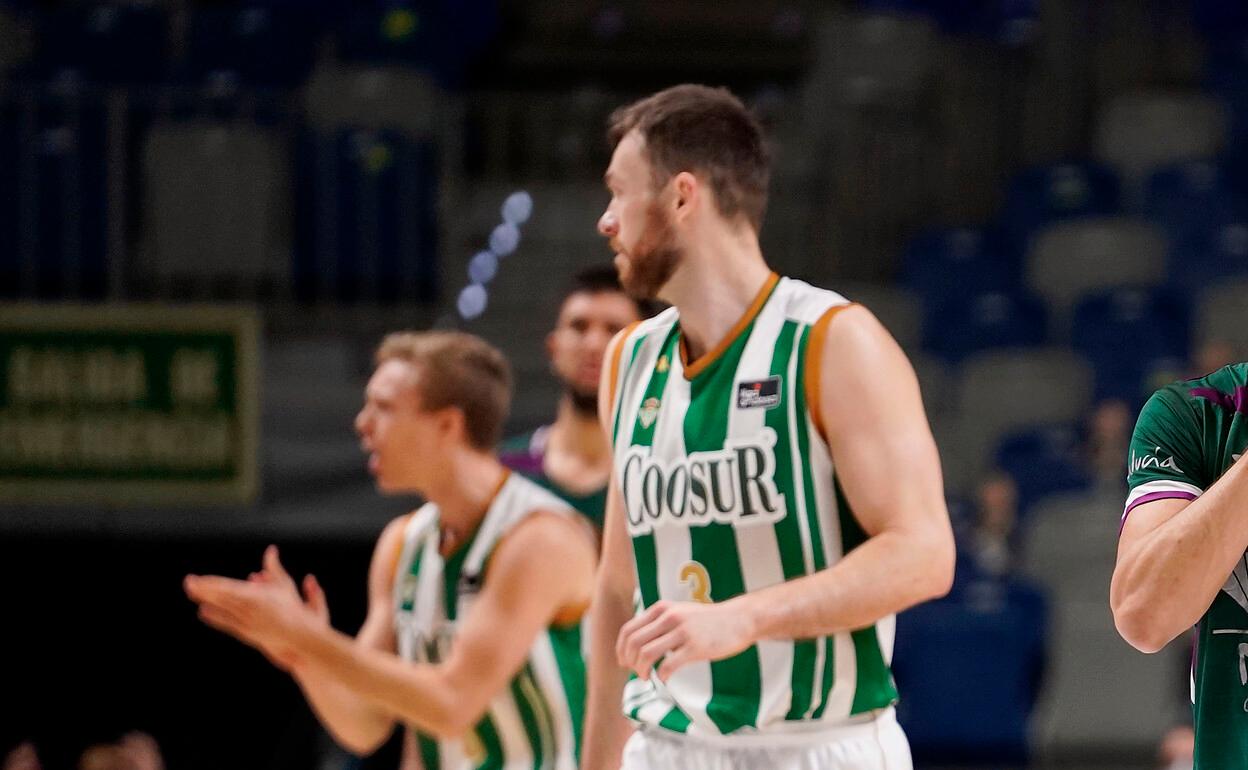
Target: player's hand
{"points": [[265, 611], [275, 574], [681, 633]]}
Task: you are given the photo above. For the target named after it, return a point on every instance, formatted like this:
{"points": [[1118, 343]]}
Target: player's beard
{"points": [[584, 402], [653, 261]]}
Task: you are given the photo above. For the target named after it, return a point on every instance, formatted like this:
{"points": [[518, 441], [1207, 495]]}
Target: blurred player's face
{"points": [[587, 322], [402, 438], [636, 224]]}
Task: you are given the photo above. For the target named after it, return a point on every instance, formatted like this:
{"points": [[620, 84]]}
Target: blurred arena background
{"points": [[1042, 199]]}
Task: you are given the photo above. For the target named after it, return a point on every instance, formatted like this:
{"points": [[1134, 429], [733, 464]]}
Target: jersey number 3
{"points": [[694, 575]]}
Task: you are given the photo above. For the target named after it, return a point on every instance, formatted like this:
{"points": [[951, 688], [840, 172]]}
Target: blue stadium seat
{"points": [[366, 218], [1187, 199], [1220, 20], [54, 195], [440, 37], [1042, 195], [271, 46], [1043, 461], [971, 323], [1008, 22], [1209, 255], [969, 668], [103, 42], [943, 264], [9, 154], [1123, 332]]}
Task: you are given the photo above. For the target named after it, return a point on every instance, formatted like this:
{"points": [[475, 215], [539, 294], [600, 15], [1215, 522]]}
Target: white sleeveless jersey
{"points": [[536, 721], [729, 487]]}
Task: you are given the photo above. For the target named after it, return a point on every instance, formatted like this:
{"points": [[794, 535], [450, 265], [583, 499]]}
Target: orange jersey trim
{"points": [[814, 365], [697, 367]]}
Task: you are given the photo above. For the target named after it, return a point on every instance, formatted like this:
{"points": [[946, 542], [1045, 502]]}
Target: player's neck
{"points": [[579, 433], [714, 287], [465, 494]]}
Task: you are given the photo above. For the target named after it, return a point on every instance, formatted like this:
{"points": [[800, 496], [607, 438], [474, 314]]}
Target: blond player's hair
{"points": [[457, 370]]}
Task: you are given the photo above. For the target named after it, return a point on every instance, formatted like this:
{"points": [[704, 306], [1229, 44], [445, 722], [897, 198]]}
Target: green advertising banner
{"points": [[128, 405]]}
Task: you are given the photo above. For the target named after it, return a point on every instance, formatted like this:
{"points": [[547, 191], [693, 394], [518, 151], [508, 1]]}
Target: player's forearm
{"points": [[606, 728], [355, 724], [1166, 582], [888, 573], [414, 694]]}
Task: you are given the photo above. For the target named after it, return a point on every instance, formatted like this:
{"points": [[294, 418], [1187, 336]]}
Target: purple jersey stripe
{"points": [[1174, 494], [1231, 402]]}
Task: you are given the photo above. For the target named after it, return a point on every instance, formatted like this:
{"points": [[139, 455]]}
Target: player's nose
{"points": [[608, 225]]}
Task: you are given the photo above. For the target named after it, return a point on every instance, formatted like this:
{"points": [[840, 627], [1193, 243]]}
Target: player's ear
{"points": [[550, 347], [451, 422], [686, 192]]}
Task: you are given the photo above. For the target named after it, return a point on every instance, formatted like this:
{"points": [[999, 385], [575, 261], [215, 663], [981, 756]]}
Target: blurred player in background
{"points": [[571, 456], [1182, 558], [773, 469], [480, 592]]}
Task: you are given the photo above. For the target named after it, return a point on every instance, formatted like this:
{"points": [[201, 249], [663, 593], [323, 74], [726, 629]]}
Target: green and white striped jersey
{"points": [[729, 487], [1187, 436], [536, 721]]}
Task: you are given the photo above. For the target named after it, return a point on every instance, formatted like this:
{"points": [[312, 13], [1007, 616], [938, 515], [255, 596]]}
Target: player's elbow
{"points": [[1140, 625], [362, 743], [1141, 632], [940, 561]]}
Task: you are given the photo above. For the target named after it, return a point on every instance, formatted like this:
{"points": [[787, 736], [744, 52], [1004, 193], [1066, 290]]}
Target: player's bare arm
{"points": [[872, 416], [521, 596], [356, 724], [1173, 558], [606, 728]]}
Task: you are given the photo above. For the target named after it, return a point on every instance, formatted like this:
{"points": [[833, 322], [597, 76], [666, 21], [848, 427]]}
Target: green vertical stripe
{"points": [[675, 720], [788, 531], [450, 574], [566, 642], [488, 735], [409, 602], [803, 447], [619, 396], [812, 514], [520, 695], [430, 757], [643, 435], [874, 687], [736, 682]]}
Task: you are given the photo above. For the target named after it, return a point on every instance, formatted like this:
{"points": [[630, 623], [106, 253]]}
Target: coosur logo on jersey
{"points": [[733, 485]]}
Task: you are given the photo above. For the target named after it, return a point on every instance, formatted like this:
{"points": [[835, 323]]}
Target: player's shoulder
{"points": [[1186, 399], [806, 303], [659, 322]]}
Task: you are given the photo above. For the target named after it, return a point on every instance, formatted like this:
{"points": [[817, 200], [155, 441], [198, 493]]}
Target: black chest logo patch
{"points": [[759, 394]]}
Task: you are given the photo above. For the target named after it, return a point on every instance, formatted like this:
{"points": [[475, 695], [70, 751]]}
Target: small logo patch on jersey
{"points": [[759, 394], [649, 412], [469, 583], [663, 365]]}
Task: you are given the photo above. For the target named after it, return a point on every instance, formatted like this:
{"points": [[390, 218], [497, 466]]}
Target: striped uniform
{"points": [[729, 487], [536, 721]]}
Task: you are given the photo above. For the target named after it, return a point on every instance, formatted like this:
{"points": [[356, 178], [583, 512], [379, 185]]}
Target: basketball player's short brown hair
{"points": [[702, 130], [457, 370]]}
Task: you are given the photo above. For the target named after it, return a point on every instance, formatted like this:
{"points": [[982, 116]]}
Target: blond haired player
{"points": [[473, 631], [777, 494]]}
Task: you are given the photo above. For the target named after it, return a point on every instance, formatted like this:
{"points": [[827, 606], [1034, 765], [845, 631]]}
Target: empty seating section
{"points": [[262, 45], [1043, 195], [367, 227], [1139, 132], [1071, 259]]}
